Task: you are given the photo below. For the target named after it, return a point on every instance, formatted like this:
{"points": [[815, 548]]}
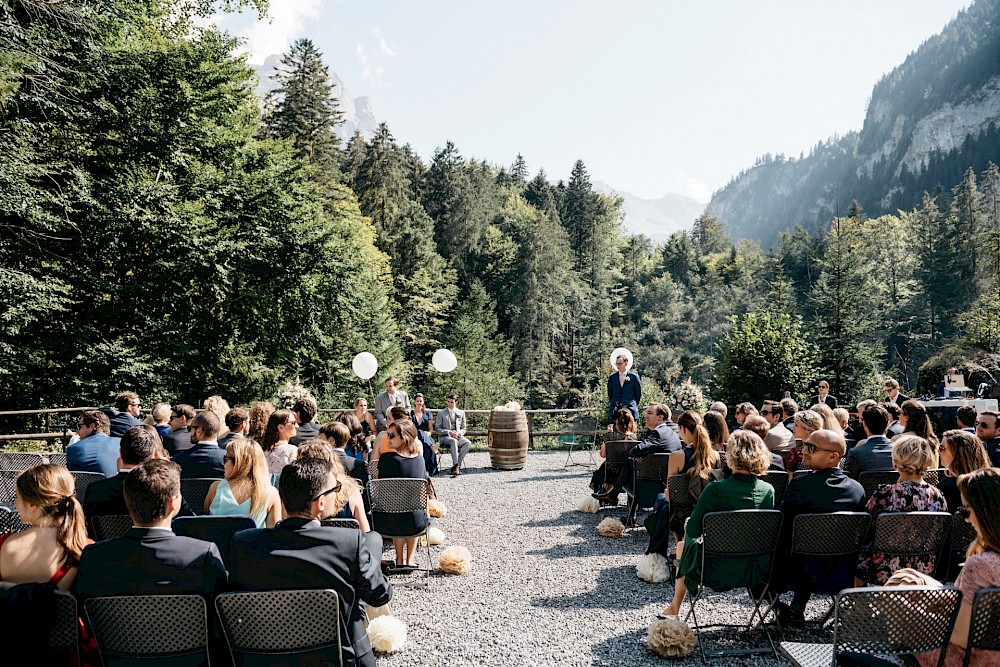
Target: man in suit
{"points": [[892, 392], [788, 409], [779, 438], [895, 428], [876, 452], [305, 410], [300, 553], [179, 439], [238, 423], [624, 391], [966, 417], [392, 396], [450, 427], [336, 434], [107, 497], [856, 432], [660, 438], [96, 450], [988, 430], [150, 559], [204, 458], [823, 396], [129, 407], [826, 489]]}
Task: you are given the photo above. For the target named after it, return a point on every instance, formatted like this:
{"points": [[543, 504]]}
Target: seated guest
{"points": [[279, 451], [402, 460], [719, 407], [421, 418], [912, 457], [219, 407], [843, 418], [788, 409], [893, 395], [49, 551], [876, 451], [358, 444], [179, 438], [204, 459], [913, 417], [338, 435], [779, 438], [857, 431], [246, 489], [260, 413], [988, 430], [106, 497], [806, 422], [95, 451], [159, 418], [305, 410], [961, 453], [238, 423], [895, 428], [365, 420], [150, 559], [302, 554], [624, 429], [980, 491], [660, 439], [129, 408], [718, 430], [743, 410], [450, 427], [830, 421], [381, 443], [760, 427], [748, 458], [824, 396], [347, 502], [826, 489], [966, 418]]}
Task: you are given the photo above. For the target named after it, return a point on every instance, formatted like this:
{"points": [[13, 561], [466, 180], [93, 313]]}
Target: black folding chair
{"points": [[10, 521], [779, 480], [741, 541], [615, 455], [341, 523], [872, 479], [58, 459], [649, 478], [154, 630], [402, 495], [881, 625], [8, 485], [910, 535], [283, 628], [20, 461], [194, 490], [110, 525], [933, 476], [586, 439], [84, 479], [961, 535], [983, 633], [61, 640], [216, 529]]}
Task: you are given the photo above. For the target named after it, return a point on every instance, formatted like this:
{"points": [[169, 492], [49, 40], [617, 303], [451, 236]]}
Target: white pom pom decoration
{"points": [[588, 504], [387, 634], [653, 568]]}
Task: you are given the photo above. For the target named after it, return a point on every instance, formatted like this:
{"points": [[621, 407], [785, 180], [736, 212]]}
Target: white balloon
{"points": [[365, 365], [444, 361], [619, 352]]}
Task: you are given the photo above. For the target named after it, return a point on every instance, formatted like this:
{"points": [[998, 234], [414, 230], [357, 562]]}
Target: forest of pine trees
{"points": [[162, 233]]}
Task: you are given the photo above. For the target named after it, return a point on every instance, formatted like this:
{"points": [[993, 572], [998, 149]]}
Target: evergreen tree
{"points": [[382, 187], [990, 189]]}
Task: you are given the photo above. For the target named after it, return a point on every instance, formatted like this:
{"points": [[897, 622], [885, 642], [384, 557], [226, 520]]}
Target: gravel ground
{"points": [[544, 587]]}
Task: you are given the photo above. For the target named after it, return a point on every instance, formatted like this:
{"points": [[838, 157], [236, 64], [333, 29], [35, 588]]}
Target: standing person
{"points": [[450, 426], [988, 430], [624, 389], [402, 460], [824, 396], [129, 408], [246, 489], [281, 428], [392, 396], [260, 412], [365, 419], [422, 419], [892, 392]]}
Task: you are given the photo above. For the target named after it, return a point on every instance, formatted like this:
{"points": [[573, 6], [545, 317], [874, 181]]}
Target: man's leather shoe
{"points": [[606, 498], [455, 471], [788, 617]]}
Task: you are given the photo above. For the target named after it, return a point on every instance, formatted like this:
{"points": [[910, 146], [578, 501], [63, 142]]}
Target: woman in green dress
{"points": [[748, 457]]}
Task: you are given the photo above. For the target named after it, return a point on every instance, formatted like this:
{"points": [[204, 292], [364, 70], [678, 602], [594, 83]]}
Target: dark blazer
{"points": [[178, 441], [302, 554], [229, 437], [305, 432], [830, 400], [627, 396], [95, 453], [993, 451], [900, 398], [875, 454], [150, 561], [658, 440], [122, 422], [107, 497], [202, 460]]}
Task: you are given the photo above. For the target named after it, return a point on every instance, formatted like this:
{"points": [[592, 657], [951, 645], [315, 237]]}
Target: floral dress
{"points": [[899, 497]]}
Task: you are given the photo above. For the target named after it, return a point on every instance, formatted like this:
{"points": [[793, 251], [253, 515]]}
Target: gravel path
{"points": [[544, 588]]}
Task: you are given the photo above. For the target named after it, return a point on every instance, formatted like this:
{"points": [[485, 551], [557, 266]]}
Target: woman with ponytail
{"points": [[48, 551]]}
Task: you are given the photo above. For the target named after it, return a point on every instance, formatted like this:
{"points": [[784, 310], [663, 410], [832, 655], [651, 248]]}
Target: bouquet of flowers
{"points": [[291, 392], [687, 396]]}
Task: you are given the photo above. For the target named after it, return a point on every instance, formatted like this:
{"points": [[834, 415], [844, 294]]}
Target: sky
{"points": [[655, 96]]}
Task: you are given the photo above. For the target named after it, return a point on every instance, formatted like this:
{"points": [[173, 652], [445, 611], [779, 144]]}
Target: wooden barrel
{"points": [[508, 439]]}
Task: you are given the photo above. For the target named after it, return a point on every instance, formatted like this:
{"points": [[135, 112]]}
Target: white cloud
{"points": [[284, 23], [372, 62], [384, 47], [693, 188]]}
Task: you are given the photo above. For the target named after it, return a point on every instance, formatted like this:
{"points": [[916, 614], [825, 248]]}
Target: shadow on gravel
{"points": [[628, 649], [617, 588], [567, 518], [550, 478]]}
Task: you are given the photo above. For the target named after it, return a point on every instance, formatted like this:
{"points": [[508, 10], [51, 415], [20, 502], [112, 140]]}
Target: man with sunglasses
{"points": [[300, 553], [779, 438], [988, 430], [826, 489]]}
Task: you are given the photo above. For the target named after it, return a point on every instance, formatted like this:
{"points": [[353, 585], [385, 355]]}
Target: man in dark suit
{"points": [[150, 559], [823, 396], [660, 438], [624, 390], [179, 439], [988, 430], [238, 423], [107, 497], [966, 417], [129, 408], [305, 410], [876, 452], [300, 553], [892, 392], [204, 458], [826, 489], [856, 432], [788, 409]]}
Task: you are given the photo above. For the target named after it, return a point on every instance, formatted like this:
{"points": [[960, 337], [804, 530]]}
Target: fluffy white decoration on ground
{"points": [[435, 535], [653, 568], [387, 634], [436, 508], [455, 560], [611, 526], [671, 638], [588, 504]]}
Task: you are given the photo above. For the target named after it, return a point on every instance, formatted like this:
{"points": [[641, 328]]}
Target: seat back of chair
{"points": [[909, 534], [833, 534], [160, 629], [961, 535], [398, 495], [110, 525], [742, 540], [262, 625], [58, 459], [10, 521], [216, 529], [652, 468], [983, 633], [884, 622], [341, 522], [64, 627], [8, 485], [779, 480], [194, 490], [20, 461], [934, 476], [615, 453], [678, 494], [872, 479], [84, 479]]}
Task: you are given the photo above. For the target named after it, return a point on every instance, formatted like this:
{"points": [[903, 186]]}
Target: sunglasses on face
{"points": [[984, 425], [812, 449], [965, 512], [328, 492], [229, 458]]}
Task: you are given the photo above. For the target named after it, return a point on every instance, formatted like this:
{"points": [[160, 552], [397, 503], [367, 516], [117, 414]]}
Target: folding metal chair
{"points": [[649, 478], [983, 633], [341, 523], [194, 490], [401, 495], [64, 627], [588, 427], [20, 460], [910, 535], [735, 539], [933, 476], [110, 525], [10, 521], [779, 480], [58, 459], [615, 454], [83, 480], [880, 625], [961, 535], [267, 628], [871, 480], [168, 630], [216, 529], [8, 485]]}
